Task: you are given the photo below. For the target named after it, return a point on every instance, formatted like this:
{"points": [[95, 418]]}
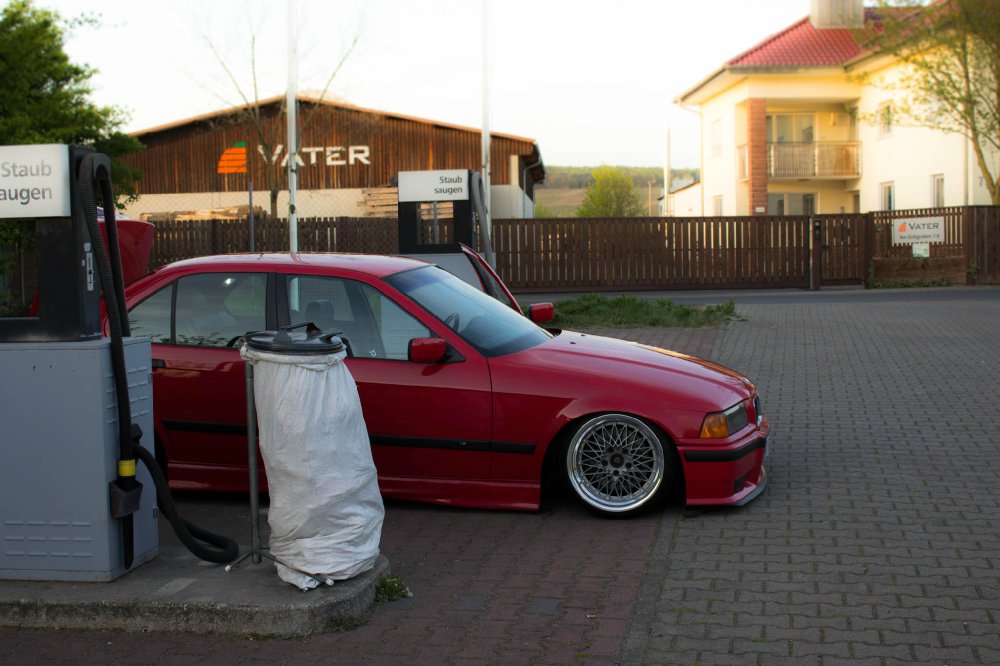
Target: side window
{"points": [[213, 309], [151, 317], [373, 325]]}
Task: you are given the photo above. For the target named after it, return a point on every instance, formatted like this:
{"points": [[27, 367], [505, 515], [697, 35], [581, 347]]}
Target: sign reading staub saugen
{"points": [[918, 230], [34, 181]]}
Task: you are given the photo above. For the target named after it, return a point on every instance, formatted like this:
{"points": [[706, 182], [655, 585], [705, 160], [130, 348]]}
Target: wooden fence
{"points": [[626, 254], [651, 253], [181, 239], [575, 254]]}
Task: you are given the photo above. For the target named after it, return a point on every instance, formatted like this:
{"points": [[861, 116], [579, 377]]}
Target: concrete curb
{"points": [[249, 601]]}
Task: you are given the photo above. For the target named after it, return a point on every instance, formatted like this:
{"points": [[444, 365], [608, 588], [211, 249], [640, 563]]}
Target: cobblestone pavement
{"points": [[875, 542], [878, 539]]}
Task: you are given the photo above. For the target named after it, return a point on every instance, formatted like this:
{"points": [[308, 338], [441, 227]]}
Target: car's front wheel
{"points": [[617, 463]]}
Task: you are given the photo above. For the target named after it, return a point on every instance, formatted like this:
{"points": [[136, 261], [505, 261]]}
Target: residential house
{"points": [[803, 123]]}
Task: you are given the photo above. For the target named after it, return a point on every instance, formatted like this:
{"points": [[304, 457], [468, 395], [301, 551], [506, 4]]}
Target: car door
{"points": [[199, 389], [425, 421], [490, 282]]}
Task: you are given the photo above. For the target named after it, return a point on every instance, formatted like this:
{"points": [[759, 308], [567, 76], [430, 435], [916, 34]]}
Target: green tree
{"points": [[612, 194], [952, 50], [46, 97]]}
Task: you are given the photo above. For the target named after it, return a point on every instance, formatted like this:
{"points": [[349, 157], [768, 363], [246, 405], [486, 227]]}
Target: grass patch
{"points": [[594, 311], [390, 588], [910, 282]]}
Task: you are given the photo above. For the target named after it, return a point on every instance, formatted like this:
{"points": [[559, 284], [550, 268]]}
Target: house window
{"points": [[791, 128], [775, 204], [885, 119], [716, 137], [717, 205], [937, 190], [791, 203], [888, 196]]}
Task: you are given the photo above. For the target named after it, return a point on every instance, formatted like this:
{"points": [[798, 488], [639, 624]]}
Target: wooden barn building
{"points": [[348, 161]]}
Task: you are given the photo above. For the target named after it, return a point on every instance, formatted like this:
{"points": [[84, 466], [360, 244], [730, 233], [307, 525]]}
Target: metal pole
{"points": [[252, 464], [487, 225], [293, 146], [251, 217]]}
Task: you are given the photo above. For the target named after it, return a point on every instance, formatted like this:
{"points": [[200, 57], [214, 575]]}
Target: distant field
{"points": [[562, 202]]}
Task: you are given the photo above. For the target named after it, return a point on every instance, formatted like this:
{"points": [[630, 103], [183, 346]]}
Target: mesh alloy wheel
{"points": [[615, 463]]}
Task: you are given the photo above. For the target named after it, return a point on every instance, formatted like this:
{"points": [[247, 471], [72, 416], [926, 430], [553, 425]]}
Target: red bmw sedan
{"points": [[467, 401]]}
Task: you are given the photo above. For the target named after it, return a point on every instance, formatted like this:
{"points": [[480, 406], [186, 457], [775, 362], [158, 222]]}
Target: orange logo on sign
{"points": [[902, 227], [234, 160]]}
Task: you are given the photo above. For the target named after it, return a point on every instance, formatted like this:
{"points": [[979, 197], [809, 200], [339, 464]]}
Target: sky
{"points": [[592, 81]]}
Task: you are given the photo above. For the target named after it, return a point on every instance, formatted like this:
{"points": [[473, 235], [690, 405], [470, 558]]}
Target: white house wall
{"points": [[909, 155], [719, 168], [686, 202]]}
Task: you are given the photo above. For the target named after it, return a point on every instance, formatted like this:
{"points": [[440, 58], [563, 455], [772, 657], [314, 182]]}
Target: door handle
{"points": [[159, 363]]}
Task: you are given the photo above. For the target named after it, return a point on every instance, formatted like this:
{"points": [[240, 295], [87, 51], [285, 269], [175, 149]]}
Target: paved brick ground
{"points": [[876, 541], [557, 587]]}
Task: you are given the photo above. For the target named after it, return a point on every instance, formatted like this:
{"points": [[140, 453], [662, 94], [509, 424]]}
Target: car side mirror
{"points": [[541, 312], [427, 350]]}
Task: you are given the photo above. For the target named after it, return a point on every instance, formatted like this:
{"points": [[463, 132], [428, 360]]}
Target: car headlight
{"points": [[719, 425]]}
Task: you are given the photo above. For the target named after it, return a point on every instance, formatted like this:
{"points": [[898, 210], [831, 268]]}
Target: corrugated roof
{"points": [[802, 45]]}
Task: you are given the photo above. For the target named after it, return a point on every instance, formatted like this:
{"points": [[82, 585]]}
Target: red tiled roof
{"points": [[802, 45]]}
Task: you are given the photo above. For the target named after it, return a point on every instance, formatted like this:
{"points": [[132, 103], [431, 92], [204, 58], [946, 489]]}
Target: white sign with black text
{"points": [[918, 230], [450, 185], [34, 181]]}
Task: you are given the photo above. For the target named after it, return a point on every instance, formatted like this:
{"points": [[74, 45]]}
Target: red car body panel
{"points": [[472, 432]]}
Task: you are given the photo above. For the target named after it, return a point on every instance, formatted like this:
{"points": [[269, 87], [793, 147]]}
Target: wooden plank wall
{"points": [[573, 254], [651, 253]]}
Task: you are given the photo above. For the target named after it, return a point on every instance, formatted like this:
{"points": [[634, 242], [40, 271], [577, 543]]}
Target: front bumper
{"points": [[732, 474]]}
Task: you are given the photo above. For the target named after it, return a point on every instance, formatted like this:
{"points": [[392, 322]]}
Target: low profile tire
{"points": [[617, 464]]}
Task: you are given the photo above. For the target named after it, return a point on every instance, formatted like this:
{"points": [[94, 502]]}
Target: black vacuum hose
{"points": [[112, 287], [91, 169], [226, 550]]}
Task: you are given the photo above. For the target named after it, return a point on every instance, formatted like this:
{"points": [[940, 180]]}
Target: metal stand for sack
{"points": [[257, 551]]}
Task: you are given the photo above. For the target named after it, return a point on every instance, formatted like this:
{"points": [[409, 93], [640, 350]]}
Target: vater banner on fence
{"points": [[918, 230]]}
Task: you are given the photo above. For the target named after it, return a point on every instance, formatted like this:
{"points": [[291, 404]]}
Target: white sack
{"points": [[326, 511]]}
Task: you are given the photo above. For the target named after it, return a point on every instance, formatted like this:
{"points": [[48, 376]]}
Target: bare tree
{"points": [[251, 109]]}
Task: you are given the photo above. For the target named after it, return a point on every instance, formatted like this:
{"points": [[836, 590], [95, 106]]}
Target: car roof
{"points": [[377, 265]]}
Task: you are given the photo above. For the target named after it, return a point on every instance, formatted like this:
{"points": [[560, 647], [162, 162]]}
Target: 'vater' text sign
{"points": [[918, 230]]}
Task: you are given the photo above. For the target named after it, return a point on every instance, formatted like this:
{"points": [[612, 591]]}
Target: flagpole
{"points": [[293, 149]]}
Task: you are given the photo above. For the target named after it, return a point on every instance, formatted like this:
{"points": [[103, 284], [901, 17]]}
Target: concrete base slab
{"points": [[176, 592]]}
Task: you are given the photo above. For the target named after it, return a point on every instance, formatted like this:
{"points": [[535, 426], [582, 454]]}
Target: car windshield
{"points": [[484, 322]]}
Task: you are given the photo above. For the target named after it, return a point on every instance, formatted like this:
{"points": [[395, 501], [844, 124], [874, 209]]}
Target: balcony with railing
{"points": [[818, 160]]}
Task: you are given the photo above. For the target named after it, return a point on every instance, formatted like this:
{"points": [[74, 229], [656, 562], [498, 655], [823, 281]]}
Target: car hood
{"points": [[591, 360]]}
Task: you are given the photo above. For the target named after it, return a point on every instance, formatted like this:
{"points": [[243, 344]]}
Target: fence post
{"points": [[214, 240], [816, 256], [968, 240], [868, 255]]}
